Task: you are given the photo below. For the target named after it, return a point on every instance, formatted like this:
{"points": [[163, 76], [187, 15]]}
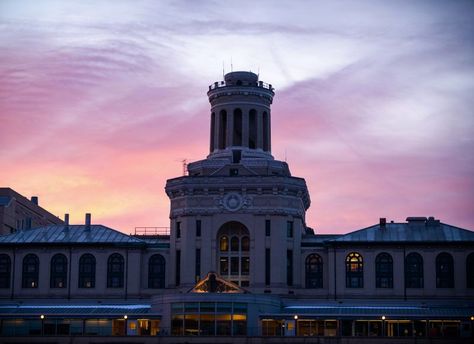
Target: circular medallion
{"points": [[232, 201]]}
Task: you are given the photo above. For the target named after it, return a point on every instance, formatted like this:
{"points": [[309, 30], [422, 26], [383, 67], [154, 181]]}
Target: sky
{"points": [[100, 101]]}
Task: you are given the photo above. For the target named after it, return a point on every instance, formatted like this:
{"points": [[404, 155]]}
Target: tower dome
{"points": [[240, 116]]}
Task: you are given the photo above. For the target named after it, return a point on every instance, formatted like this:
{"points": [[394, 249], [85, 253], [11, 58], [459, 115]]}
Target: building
{"points": [[240, 259], [17, 213]]}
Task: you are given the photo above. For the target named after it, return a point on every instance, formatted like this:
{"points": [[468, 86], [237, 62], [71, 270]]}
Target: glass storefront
{"points": [[209, 319]]}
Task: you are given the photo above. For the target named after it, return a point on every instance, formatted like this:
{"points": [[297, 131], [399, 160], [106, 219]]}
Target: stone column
{"points": [[230, 128], [260, 129], [245, 127]]}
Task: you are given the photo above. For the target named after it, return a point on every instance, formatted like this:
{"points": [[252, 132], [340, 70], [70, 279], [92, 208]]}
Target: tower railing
{"points": [[261, 84]]}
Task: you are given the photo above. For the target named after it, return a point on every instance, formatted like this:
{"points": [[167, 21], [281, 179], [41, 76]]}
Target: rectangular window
{"points": [[234, 265], [197, 261], [245, 265], [267, 266], [268, 227], [289, 229], [178, 267], [224, 266], [198, 228], [178, 230], [289, 267]]}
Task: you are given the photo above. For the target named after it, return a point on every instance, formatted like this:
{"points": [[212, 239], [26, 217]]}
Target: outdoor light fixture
{"points": [[383, 317], [295, 317], [125, 317], [472, 318], [42, 316]]}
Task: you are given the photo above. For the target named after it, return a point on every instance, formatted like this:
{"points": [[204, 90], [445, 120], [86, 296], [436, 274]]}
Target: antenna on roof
{"points": [[258, 73], [285, 155], [231, 65], [223, 70]]}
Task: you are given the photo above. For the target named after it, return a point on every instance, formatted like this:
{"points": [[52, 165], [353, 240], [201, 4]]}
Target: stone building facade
{"points": [[240, 259]]}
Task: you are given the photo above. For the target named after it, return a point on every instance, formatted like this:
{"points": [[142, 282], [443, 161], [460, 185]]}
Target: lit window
{"points": [[354, 271], [58, 271], [87, 271], [30, 271]]}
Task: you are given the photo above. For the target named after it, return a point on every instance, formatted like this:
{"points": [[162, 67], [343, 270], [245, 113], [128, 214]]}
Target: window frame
{"points": [[156, 278], [5, 271], [30, 279], [414, 276], [444, 270], [115, 271], [384, 271], [56, 277], [87, 260], [314, 269], [354, 263]]}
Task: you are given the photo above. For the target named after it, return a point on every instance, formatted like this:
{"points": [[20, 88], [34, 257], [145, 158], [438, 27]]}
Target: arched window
{"points": [[383, 271], [237, 132], [470, 270], [234, 264], [58, 273], [414, 271], [213, 129], [245, 244], [156, 271], [253, 129], [222, 129], [5, 271], [115, 267], [234, 244], [224, 243], [266, 133], [314, 271], [87, 271], [354, 271], [30, 271], [444, 271]]}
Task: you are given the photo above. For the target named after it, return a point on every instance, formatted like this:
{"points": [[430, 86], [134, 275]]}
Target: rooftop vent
{"points": [[383, 222], [66, 220], [34, 200], [88, 221]]}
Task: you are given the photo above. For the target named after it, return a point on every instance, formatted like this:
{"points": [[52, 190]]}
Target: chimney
{"points": [[383, 222], [34, 200], [88, 221], [66, 220]]}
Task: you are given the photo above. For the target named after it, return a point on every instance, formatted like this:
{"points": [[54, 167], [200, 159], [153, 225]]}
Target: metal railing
{"points": [[152, 230], [219, 84]]}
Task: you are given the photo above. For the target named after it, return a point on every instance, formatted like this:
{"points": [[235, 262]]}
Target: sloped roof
{"points": [[5, 200], [377, 311], [408, 232], [77, 310], [72, 234]]}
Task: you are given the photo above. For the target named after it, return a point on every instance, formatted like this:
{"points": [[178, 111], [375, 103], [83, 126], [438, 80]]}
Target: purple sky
{"points": [[374, 105]]}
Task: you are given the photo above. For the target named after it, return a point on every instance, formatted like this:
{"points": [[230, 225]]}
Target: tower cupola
{"points": [[240, 116]]}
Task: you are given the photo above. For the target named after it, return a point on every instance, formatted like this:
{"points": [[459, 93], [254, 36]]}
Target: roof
{"points": [[5, 200], [72, 234], [414, 231], [393, 311], [76, 310]]}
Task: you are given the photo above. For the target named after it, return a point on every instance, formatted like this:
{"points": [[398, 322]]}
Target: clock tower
{"points": [[239, 211]]}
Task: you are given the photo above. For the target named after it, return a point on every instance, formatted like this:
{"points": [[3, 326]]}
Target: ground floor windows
{"points": [[209, 319], [367, 327], [77, 327]]}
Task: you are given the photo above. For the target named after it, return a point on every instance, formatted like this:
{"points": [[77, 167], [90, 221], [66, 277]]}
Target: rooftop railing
{"points": [[261, 84], [152, 231]]}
